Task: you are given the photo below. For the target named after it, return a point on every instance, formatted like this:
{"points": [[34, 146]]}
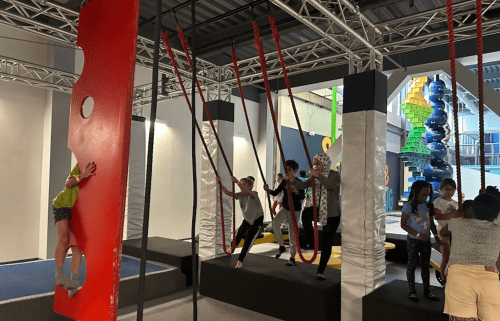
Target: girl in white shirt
{"points": [[445, 208]]}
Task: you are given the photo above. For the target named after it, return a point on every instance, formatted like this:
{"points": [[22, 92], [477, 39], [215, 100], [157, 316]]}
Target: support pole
{"points": [[149, 167], [194, 255]]}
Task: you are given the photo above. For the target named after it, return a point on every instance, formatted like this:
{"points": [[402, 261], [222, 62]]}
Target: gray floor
{"points": [[179, 306]]}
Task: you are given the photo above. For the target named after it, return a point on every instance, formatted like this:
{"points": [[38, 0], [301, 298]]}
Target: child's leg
{"points": [[307, 219], [291, 234], [76, 260], [425, 261], [241, 231], [250, 238], [278, 219], [63, 238], [413, 249], [326, 248], [445, 253]]}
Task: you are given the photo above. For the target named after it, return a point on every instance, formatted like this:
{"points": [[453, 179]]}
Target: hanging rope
{"points": [[276, 37], [451, 41], [209, 116], [174, 64], [479, 33], [237, 73], [262, 59]]}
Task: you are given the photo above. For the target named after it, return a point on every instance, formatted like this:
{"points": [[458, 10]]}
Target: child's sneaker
{"points": [[321, 277], [280, 251], [291, 262]]}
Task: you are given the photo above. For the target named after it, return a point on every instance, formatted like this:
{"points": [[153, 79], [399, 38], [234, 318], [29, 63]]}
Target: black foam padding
{"points": [[158, 284], [164, 250], [220, 110], [267, 286], [365, 91], [391, 302]]}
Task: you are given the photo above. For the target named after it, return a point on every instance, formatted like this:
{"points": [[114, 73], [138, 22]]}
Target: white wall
{"points": [[312, 118], [471, 181], [21, 132], [21, 144], [171, 187], [471, 123]]}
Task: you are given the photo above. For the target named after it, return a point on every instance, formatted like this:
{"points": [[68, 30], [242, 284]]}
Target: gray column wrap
{"points": [[210, 245], [363, 208], [136, 180]]}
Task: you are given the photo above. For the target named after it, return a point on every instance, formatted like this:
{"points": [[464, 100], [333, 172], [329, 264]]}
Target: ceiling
{"points": [[320, 40]]}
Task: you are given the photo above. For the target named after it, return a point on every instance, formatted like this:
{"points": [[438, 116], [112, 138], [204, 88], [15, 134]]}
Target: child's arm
{"points": [[242, 187], [277, 190], [404, 226], [445, 232], [434, 231], [300, 184], [300, 193], [228, 193], [76, 180], [440, 216], [330, 182]]}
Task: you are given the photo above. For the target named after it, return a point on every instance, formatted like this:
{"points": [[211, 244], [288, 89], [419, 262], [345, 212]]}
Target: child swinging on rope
{"points": [[253, 214], [62, 206], [327, 182], [445, 209], [284, 213]]}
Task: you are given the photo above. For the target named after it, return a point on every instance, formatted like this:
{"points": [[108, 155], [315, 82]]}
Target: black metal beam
{"points": [[227, 14], [167, 12]]}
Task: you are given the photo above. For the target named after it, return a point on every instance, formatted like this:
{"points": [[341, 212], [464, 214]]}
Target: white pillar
{"points": [[210, 240], [363, 189]]}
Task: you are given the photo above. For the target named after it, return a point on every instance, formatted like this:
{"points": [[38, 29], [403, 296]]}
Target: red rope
{"points": [[479, 31], [174, 64], [262, 59], [276, 37], [451, 37], [237, 73]]}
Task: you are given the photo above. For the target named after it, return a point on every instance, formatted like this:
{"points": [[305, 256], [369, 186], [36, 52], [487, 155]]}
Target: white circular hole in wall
{"points": [[88, 107]]}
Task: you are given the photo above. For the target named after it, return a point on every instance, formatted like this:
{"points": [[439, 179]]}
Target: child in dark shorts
{"points": [[62, 206]]}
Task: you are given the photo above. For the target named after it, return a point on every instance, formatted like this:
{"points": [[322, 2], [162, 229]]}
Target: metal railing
{"points": [[469, 150]]}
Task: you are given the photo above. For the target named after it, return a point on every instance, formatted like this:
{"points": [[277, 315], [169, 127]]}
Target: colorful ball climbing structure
{"points": [[438, 168], [415, 154]]}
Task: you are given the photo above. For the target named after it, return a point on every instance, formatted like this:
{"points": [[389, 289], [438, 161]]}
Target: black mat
{"points": [[40, 308], [390, 302], [267, 286], [164, 250]]}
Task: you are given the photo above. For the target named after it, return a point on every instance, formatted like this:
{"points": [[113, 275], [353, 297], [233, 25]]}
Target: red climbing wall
{"points": [[107, 33]]}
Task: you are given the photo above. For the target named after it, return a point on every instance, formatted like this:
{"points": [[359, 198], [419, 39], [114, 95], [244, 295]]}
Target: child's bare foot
{"points": [[238, 265]]}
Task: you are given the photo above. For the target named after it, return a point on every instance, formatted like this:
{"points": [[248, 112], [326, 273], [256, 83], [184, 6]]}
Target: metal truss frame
{"points": [[60, 24], [346, 37], [404, 34], [35, 75]]}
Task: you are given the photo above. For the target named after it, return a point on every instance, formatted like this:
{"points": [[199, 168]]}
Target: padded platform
{"points": [[267, 286], [40, 307], [390, 302], [164, 250]]}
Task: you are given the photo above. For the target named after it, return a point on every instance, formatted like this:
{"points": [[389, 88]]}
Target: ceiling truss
{"points": [[346, 37]]}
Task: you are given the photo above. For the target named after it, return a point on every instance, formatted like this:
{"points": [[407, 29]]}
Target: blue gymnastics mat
{"points": [[37, 277]]}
